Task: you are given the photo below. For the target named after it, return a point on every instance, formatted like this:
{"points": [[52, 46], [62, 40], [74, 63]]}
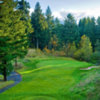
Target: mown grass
{"points": [[53, 78]]}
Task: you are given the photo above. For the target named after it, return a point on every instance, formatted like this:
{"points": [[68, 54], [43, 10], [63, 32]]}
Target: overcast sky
{"points": [[79, 8]]}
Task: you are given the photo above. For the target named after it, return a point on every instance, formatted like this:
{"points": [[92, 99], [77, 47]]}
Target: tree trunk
{"points": [[37, 44], [4, 71], [16, 64]]}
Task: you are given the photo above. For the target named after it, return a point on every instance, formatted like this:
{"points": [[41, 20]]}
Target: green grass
{"points": [[4, 84], [54, 79]]}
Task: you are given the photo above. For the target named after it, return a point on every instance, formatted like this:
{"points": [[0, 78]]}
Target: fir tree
{"points": [[96, 55], [24, 6], [40, 25], [6, 42], [13, 38], [49, 19], [70, 30]]}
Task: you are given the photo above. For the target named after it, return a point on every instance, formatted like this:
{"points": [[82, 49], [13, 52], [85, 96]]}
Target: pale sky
{"points": [[60, 8]]}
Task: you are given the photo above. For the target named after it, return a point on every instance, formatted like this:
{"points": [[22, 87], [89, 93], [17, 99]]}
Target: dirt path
{"points": [[15, 77]]}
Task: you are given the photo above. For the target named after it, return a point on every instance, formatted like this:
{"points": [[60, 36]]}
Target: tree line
{"points": [[79, 40], [20, 31]]}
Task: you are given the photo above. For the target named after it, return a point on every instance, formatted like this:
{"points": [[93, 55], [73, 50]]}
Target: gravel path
{"points": [[89, 68], [15, 77]]}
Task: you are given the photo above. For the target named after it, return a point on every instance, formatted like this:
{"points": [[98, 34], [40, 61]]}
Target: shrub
{"points": [[59, 53], [46, 50], [31, 53], [34, 53], [19, 65]]}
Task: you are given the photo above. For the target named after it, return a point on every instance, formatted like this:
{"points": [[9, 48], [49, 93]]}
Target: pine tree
{"points": [[87, 26], [24, 6], [25, 28], [97, 46], [40, 25], [13, 39], [58, 31], [49, 19], [6, 15], [53, 42], [70, 30], [96, 54], [97, 33], [82, 24], [20, 38], [50, 22]]}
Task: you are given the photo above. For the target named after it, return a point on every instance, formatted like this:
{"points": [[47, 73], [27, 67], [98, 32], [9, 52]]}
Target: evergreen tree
{"points": [[6, 15], [13, 40], [90, 30], [97, 46], [85, 49], [53, 42], [97, 33], [96, 55], [24, 6], [40, 25], [71, 49], [70, 30], [58, 30], [87, 26], [82, 24], [20, 38], [49, 19]]}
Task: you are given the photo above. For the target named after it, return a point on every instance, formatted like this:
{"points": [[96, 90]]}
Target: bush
{"points": [[34, 53], [46, 50], [31, 53], [19, 65], [59, 53]]}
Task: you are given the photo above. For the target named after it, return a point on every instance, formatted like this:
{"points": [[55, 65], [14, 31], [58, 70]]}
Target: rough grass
{"points": [[4, 84], [54, 79]]}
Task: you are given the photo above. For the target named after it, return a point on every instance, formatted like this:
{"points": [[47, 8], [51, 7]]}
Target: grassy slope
{"points": [[53, 79]]}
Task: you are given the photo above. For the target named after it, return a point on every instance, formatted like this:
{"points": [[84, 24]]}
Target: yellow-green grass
{"points": [[53, 79], [4, 84]]}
